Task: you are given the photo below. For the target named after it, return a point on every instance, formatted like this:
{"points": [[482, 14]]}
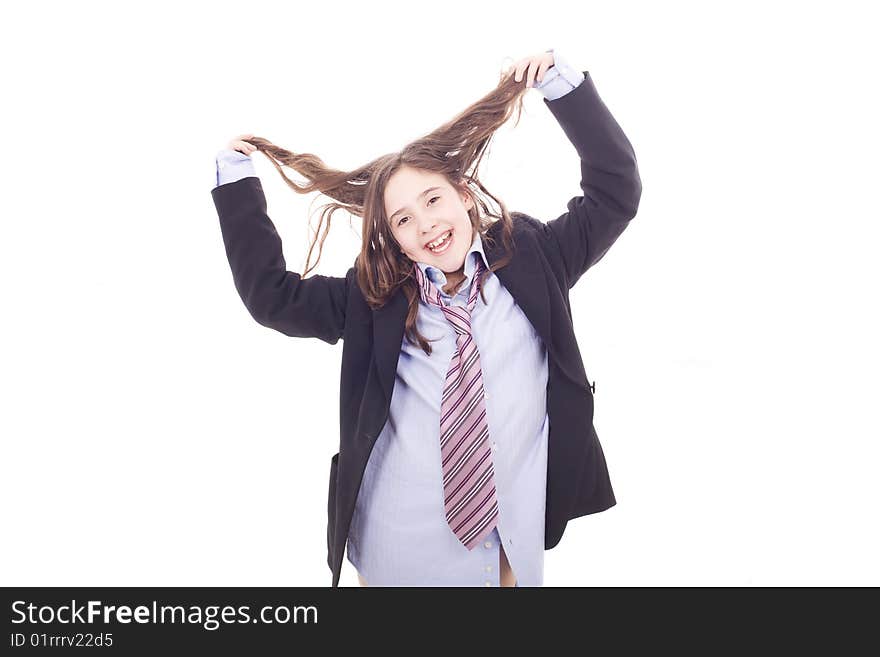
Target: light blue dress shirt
{"points": [[399, 535]]}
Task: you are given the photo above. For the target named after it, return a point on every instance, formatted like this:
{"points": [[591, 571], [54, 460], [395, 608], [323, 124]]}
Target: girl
{"points": [[466, 437]]}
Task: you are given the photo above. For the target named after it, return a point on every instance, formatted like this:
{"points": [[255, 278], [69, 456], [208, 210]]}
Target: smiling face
{"points": [[421, 207]]}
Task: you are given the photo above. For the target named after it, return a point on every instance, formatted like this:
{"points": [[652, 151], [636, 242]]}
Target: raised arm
{"points": [[609, 180], [313, 307]]}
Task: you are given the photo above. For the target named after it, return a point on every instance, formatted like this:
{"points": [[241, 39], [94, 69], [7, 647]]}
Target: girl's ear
{"points": [[467, 200]]}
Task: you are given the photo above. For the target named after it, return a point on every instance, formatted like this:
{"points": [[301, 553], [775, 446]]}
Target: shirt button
{"points": [[221, 165], [488, 569], [488, 544], [494, 446], [488, 583]]}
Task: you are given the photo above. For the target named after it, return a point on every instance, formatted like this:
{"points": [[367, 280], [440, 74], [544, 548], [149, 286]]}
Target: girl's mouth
{"points": [[444, 245]]}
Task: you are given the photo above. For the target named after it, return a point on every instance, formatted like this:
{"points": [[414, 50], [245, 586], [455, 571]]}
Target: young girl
{"points": [[466, 437]]}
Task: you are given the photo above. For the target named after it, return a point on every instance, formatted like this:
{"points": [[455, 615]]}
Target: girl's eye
{"points": [[433, 198]]}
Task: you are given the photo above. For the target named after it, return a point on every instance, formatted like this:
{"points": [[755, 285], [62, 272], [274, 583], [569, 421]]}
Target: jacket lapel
{"points": [[524, 277], [389, 324]]}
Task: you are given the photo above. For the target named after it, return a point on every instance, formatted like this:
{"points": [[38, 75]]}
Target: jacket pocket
{"points": [[331, 502]]}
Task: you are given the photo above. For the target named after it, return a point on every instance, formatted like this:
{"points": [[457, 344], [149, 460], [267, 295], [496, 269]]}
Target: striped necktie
{"points": [[468, 471]]}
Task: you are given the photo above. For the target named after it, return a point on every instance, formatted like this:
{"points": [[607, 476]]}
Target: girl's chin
{"points": [[444, 264]]}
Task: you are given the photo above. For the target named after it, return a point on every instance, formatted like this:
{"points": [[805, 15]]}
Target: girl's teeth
{"points": [[442, 243]]}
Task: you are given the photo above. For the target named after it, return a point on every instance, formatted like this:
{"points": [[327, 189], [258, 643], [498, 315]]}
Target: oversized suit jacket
{"points": [[548, 259]]}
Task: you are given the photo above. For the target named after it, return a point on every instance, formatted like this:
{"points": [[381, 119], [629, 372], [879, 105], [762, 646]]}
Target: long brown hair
{"points": [[454, 150]]}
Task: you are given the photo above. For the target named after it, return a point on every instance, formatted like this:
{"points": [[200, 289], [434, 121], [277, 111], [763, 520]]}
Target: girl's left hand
{"points": [[534, 67]]}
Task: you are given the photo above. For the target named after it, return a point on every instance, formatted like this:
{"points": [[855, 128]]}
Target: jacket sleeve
{"points": [[609, 180], [312, 307]]}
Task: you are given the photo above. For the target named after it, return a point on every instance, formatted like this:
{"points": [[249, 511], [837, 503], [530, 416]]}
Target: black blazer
{"points": [[548, 260]]}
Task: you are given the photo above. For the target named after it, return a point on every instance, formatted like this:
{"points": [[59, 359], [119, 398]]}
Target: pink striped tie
{"points": [[468, 471]]}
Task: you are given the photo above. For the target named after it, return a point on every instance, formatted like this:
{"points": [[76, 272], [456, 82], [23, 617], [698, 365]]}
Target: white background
{"points": [[154, 434]]}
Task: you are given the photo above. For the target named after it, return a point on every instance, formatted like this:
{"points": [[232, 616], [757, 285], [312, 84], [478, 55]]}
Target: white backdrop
{"points": [[154, 434]]}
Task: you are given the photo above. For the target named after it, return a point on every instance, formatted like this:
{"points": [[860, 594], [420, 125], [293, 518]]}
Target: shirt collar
{"points": [[438, 277]]}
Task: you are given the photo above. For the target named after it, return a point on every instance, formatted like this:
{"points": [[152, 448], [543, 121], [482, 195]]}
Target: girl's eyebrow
{"points": [[427, 191]]}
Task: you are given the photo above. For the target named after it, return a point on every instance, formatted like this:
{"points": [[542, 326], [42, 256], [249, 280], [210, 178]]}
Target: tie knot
{"points": [[431, 295]]}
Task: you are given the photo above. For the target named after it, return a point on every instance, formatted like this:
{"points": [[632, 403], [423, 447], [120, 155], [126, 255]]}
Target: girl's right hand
{"points": [[238, 144]]}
